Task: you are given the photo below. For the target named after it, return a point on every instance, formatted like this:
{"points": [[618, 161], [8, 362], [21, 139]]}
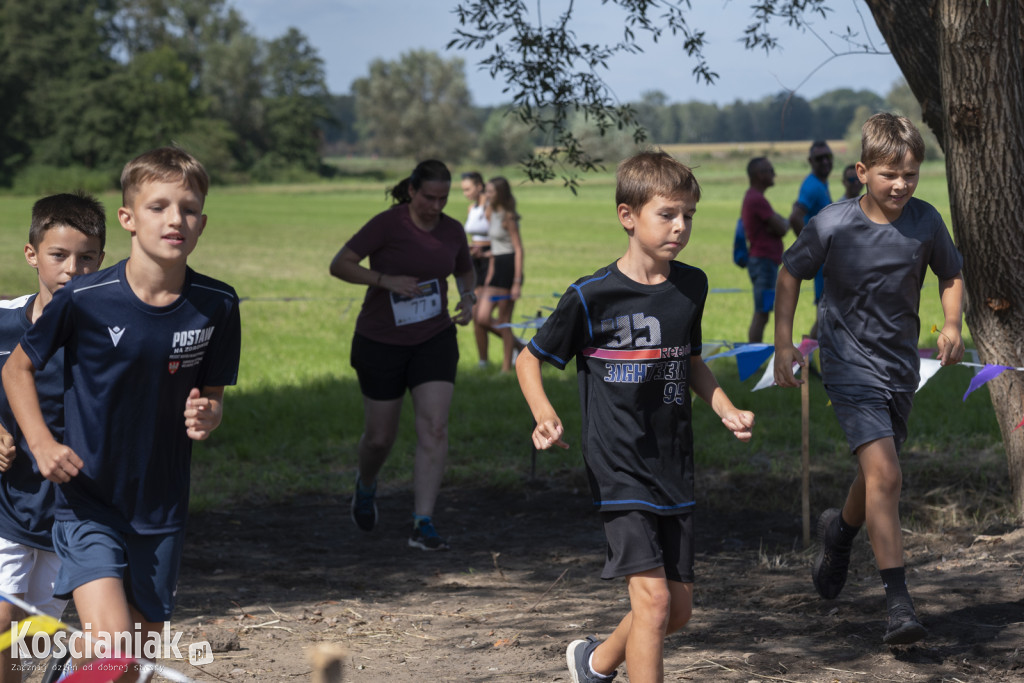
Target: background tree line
{"points": [[90, 83], [87, 84], [419, 106]]}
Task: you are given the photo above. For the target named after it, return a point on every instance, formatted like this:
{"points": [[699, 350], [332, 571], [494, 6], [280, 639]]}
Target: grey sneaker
{"points": [[364, 508], [577, 658], [833, 561], [903, 628], [425, 537]]}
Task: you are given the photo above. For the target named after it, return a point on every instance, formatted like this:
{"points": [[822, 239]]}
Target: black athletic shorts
{"points": [[504, 271], [480, 266], [385, 371], [639, 541]]}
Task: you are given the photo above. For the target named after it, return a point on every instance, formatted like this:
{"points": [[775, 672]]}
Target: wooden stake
{"points": [[328, 660], [805, 451]]}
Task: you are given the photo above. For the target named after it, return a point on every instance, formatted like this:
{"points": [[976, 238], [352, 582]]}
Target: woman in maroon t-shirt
{"points": [[405, 337]]}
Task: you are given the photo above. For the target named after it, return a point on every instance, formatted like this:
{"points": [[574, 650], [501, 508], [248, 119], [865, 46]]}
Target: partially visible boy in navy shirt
{"points": [[66, 238], [149, 346]]}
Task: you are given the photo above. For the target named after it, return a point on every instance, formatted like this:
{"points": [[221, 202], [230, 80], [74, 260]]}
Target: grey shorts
{"points": [[639, 541], [869, 413]]}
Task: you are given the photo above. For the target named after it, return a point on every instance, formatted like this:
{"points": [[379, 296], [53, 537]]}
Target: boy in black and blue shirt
{"points": [[634, 328], [149, 345]]}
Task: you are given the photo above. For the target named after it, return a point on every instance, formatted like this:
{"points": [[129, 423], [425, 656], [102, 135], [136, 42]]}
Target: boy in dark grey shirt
{"points": [[875, 250]]}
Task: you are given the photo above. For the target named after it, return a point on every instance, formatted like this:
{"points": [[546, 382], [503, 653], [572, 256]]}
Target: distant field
{"points": [[293, 420]]}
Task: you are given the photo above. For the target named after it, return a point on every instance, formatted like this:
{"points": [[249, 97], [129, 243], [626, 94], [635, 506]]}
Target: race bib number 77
{"points": [[426, 305]]}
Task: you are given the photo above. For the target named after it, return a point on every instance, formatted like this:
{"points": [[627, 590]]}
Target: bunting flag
{"points": [[37, 623], [989, 372], [100, 670], [43, 623]]}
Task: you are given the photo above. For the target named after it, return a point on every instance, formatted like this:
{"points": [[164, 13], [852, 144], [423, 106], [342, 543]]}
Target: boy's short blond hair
{"points": [[886, 138], [164, 164], [650, 174]]}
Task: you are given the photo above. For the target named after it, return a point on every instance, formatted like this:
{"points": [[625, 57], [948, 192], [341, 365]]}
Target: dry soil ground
{"points": [[268, 585]]}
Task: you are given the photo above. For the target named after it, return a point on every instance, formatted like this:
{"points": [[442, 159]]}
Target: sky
{"points": [[349, 34]]}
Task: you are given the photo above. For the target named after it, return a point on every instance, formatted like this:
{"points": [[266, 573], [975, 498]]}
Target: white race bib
{"points": [[423, 307]]}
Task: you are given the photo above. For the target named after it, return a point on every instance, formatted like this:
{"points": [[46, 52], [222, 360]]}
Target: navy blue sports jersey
{"points": [[129, 368], [26, 498], [632, 344]]}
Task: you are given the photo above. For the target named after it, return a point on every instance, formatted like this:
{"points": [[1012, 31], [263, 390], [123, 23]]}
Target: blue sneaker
{"points": [[577, 658], [364, 507], [425, 537]]}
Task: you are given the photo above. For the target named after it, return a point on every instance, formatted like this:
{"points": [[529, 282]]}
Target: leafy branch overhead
{"points": [[551, 74]]}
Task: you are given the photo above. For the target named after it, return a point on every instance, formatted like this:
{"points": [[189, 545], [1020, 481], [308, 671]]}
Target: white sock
{"points": [[590, 665]]}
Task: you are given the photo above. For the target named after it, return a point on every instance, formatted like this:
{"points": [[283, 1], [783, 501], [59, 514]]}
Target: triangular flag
{"points": [[768, 378], [929, 366], [100, 670], [987, 373], [37, 623], [750, 358]]}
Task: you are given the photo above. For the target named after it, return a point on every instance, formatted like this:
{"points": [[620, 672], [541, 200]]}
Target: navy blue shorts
{"points": [[385, 371], [763, 274], [148, 565], [639, 541], [869, 413]]}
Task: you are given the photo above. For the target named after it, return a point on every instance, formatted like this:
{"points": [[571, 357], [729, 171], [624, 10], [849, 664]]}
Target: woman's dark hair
{"points": [[474, 177], [425, 171]]}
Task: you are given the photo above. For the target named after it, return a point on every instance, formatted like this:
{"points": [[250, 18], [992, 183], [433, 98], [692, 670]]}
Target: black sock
{"points": [[895, 582], [846, 532]]}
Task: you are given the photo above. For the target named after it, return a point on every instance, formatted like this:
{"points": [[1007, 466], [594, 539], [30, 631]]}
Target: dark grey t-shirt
{"points": [[868, 325]]}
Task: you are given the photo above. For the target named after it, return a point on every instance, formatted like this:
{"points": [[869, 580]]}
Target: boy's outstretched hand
{"points": [[785, 358], [7, 450], [740, 423], [202, 415], [548, 433], [951, 345]]}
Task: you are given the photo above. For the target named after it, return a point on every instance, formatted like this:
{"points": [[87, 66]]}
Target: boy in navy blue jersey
{"points": [[634, 328], [149, 347], [66, 238], [875, 250]]}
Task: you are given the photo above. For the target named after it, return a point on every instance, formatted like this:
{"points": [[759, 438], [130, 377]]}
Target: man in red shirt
{"points": [[764, 229]]}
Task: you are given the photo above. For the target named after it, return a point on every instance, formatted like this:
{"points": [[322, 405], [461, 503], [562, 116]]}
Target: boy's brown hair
{"points": [[76, 210], [164, 164], [886, 138], [652, 173]]}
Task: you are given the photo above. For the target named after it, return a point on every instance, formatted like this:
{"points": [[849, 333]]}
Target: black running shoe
{"points": [[833, 561], [364, 508], [425, 537], [903, 628]]}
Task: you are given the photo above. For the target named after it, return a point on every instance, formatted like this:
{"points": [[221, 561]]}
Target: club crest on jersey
{"points": [[115, 334], [172, 367]]}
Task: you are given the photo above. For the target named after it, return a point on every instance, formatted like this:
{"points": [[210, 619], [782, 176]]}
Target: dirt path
{"points": [[267, 586]]}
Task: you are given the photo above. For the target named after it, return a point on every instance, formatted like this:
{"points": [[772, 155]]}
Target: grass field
{"points": [[292, 422]]}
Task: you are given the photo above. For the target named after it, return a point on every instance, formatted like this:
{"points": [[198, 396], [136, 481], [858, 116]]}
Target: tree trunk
{"points": [[964, 61]]}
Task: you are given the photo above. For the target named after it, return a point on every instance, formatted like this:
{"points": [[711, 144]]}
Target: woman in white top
{"points": [[477, 227], [504, 280]]}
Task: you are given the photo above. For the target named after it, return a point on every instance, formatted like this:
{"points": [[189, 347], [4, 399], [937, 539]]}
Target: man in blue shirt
{"points": [[814, 196]]}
